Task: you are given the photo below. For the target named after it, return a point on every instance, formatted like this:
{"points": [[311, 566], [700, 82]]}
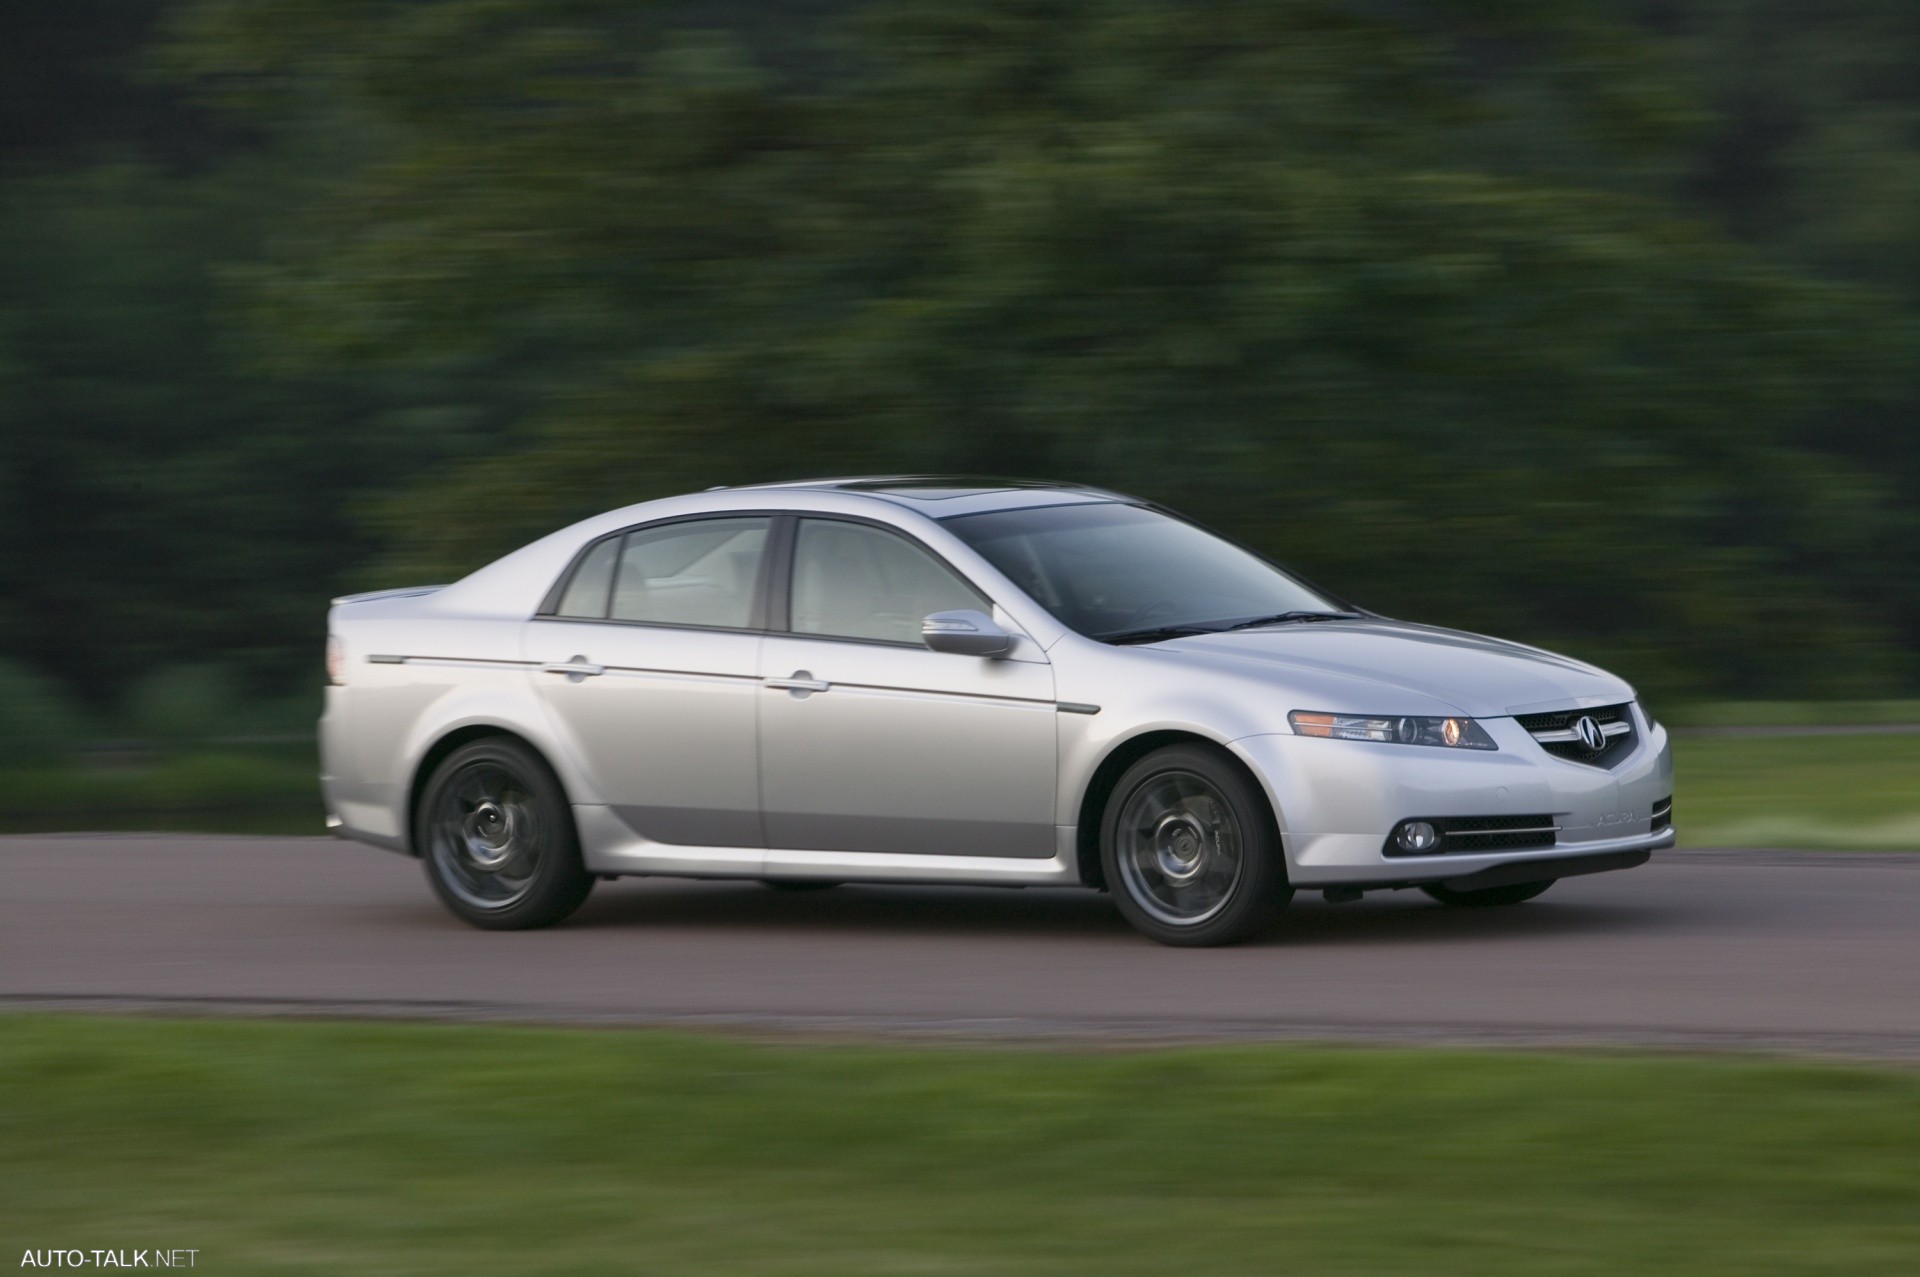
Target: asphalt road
{"points": [[1805, 952]]}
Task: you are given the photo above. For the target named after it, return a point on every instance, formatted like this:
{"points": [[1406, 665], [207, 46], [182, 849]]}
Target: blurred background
{"points": [[1587, 324]]}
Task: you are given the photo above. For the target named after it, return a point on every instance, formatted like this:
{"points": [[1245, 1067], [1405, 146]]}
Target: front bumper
{"points": [[1336, 801], [1559, 867]]}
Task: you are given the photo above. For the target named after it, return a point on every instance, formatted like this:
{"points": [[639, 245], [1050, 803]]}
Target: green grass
{"points": [[259, 790], [1857, 793], [1788, 713], [330, 1148]]}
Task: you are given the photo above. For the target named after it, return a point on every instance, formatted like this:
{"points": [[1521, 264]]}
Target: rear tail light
{"points": [[336, 661]]}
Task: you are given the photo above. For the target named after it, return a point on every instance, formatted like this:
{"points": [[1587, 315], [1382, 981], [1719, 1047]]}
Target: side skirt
{"points": [[609, 846]]}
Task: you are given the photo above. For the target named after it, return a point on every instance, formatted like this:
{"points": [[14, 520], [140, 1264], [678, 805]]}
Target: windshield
{"points": [[1109, 570]]}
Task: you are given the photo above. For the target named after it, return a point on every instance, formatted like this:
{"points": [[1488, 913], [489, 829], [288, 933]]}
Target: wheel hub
{"points": [[488, 832], [1178, 848], [1180, 845]]}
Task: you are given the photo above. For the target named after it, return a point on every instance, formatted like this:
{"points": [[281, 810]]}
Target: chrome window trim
{"points": [[861, 642], [656, 625], [791, 550], [773, 588], [756, 608]]}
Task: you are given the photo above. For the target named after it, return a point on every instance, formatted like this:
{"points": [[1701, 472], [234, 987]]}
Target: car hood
{"points": [[1378, 666]]}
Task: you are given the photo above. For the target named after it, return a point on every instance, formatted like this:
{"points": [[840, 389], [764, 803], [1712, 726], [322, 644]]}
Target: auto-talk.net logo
{"points": [[109, 1258]]}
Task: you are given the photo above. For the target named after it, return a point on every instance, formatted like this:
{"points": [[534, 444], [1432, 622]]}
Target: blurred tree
{"points": [[39, 725], [175, 484], [70, 91], [1812, 154], [1388, 291], [169, 489]]}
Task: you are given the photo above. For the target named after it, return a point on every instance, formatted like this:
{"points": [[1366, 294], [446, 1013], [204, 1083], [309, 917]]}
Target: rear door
{"points": [[649, 664]]}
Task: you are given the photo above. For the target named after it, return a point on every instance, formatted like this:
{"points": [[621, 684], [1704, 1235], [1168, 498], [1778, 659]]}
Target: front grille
{"points": [[1662, 815], [1466, 835], [1559, 733]]}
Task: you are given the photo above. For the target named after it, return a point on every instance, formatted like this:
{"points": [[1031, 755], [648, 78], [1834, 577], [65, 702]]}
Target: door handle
{"points": [[801, 681], [575, 669]]}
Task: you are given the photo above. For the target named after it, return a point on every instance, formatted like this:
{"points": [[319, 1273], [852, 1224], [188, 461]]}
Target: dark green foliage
{"points": [[1500, 314], [1284, 265], [173, 488], [39, 725]]}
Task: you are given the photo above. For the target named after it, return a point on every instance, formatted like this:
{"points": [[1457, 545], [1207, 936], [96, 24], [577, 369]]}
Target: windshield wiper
{"points": [[1158, 632], [1293, 618], [1154, 634]]}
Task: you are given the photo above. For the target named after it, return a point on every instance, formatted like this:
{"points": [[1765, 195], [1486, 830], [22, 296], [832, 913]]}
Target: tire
{"points": [[1190, 849], [797, 884], [1487, 897], [495, 832]]}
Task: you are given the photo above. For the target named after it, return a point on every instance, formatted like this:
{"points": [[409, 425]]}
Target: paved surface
{"points": [[1799, 952]]}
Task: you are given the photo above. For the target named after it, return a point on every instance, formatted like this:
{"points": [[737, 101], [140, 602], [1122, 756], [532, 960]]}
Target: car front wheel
{"points": [[496, 834], [1190, 850]]}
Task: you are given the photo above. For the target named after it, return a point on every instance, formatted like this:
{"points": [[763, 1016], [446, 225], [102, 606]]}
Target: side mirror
{"points": [[965, 633]]}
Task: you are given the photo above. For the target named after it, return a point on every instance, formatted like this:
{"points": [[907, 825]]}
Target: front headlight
{"points": [[1449, 733]]}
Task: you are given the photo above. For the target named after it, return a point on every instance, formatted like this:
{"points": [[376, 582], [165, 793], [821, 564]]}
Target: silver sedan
{"points": [[950, 681]]}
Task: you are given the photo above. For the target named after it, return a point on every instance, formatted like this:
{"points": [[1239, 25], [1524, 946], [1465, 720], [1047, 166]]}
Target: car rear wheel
{"points": [[496, 834], [1511, 894], [1190, 850]]}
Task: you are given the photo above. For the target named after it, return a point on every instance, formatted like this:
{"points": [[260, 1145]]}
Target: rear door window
{"points": [[700, 572]]}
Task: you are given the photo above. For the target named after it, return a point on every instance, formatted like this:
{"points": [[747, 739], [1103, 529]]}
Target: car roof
{"points": [[943, 496]]}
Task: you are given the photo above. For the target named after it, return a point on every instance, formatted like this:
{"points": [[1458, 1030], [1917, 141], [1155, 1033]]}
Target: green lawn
{"points": [[1839, 792], [264, 790], [332, 1148], [1788, 713]]}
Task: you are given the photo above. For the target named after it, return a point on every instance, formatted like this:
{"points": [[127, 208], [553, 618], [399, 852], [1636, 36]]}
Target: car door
{"points": [[648, 663], [871, 742]]}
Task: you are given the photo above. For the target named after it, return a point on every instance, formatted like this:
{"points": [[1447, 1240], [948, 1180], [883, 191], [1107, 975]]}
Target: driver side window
{"points": [[851, 580]]}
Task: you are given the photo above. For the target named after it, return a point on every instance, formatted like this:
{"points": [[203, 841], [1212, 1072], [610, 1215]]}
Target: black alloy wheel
{"points": [[1191, 851], [496, 834]]}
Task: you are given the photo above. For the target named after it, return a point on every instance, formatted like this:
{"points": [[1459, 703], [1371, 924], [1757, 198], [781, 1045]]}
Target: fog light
{"points": [[1416, 835]]}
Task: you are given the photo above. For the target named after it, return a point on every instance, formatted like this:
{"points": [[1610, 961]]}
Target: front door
{"points": [[649, 667], [869, 741]]}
